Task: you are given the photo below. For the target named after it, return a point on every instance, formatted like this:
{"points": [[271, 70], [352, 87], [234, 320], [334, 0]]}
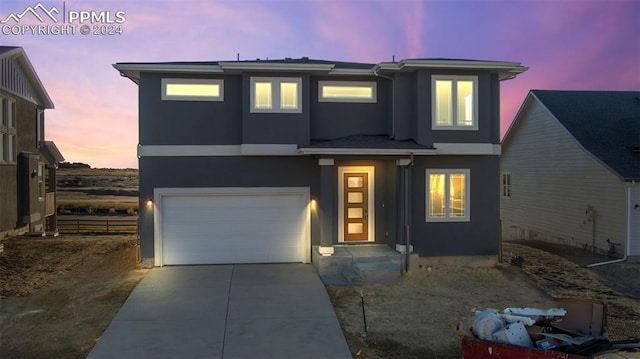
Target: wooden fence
{"points": [[97, 224]]}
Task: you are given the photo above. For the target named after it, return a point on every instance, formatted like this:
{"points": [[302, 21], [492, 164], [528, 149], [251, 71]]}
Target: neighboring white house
{"points": [[570, 170]]}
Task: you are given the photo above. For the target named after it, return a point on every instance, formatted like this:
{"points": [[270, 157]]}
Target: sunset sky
{"points": [[568, 45]]}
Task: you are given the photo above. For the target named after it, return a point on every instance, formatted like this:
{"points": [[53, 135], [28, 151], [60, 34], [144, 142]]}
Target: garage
{"points": [[231, 225]]}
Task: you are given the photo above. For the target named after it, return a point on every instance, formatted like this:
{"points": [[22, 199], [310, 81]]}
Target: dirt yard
{"points": [[417, 317], [59, 294]]}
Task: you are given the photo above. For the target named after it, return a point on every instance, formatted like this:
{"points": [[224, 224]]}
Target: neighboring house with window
{"points": [[285, 160], [570, 170], [27, 162]]}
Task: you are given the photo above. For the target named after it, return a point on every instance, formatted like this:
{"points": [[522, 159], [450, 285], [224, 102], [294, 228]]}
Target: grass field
{"points": [[97, 191]]}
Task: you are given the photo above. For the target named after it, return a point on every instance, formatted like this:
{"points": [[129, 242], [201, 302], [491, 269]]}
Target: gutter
{"points": [[628, 240], [393, 101]]}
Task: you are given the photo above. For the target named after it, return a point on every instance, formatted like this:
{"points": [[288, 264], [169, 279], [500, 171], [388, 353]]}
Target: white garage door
{"points": [[241, 225]]}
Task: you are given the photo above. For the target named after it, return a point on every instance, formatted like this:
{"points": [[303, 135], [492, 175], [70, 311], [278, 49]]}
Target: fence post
{"points": [[78, 225], [107, 224]]}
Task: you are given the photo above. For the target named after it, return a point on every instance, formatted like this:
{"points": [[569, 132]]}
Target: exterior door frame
{"points": [[370, 171]]}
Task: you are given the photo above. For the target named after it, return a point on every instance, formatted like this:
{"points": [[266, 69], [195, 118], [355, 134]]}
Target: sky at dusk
{"points": [[567, 45]]}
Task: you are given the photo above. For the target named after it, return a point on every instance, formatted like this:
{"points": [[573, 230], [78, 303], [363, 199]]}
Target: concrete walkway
{"points": [[226, 311]]}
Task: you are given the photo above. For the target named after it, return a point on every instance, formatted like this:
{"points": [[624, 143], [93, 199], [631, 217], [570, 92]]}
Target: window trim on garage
{"points": [[159, 193]]}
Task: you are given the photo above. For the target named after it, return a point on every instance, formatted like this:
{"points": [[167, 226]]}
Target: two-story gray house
{"points": [[273, 160]]}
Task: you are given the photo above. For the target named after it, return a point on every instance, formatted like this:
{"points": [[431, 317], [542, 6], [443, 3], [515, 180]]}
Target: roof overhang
{"points": [[505, 70], [367, 151], [22, 59], [276, 67], [51, 152], [132, 70]]}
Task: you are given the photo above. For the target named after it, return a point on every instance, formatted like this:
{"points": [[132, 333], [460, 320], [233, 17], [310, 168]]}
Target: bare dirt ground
{"points": [[417, 317], [58, 295]]}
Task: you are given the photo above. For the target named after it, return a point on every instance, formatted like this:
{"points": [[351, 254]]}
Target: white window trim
{"points": [[369, 84], [506, 188], [467, 201], [167, 81], [275, 94], [454, 112]]}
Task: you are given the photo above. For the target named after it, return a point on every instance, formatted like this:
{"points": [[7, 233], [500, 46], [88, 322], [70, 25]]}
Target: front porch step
{"points": [[351, 276], [378, 272], [359, 265]]}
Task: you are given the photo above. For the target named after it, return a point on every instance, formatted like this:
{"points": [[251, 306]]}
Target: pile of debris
{"points": [[576, 326]]}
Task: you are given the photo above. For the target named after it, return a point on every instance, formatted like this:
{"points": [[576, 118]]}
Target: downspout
{"points": [[628, 240], [393, 102], [407, 211]]}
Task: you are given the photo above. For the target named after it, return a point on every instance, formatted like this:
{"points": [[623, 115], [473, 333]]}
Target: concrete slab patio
{"points": [[226, 311]]}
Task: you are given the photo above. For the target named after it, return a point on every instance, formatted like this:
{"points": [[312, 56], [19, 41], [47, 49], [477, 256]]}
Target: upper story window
{"points": [[192, 89], [454, 102], [7, 130], [347, 91], [276, 94], [447, 193]]}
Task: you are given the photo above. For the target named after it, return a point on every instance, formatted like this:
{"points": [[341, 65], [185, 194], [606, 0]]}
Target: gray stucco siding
{"points": [[234, 171], [331, 120], [275, 128], [163, 122], [479, 236], [404, 104], [488, 110], [237, 171]]}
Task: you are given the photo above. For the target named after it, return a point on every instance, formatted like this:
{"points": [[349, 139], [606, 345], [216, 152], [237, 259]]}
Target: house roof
{"points": [[605, 123], [366, 144], [132, 70], [51, 152], [18, 53]]}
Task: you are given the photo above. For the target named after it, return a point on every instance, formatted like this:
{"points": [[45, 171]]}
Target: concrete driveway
{"points": [[226, 311]]}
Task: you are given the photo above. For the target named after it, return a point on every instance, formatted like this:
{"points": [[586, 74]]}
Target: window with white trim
{"points": [[192, 89], [447, 195], [7, 130], [347, 91], [506, 184], [276, 94], [454, 102]]}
